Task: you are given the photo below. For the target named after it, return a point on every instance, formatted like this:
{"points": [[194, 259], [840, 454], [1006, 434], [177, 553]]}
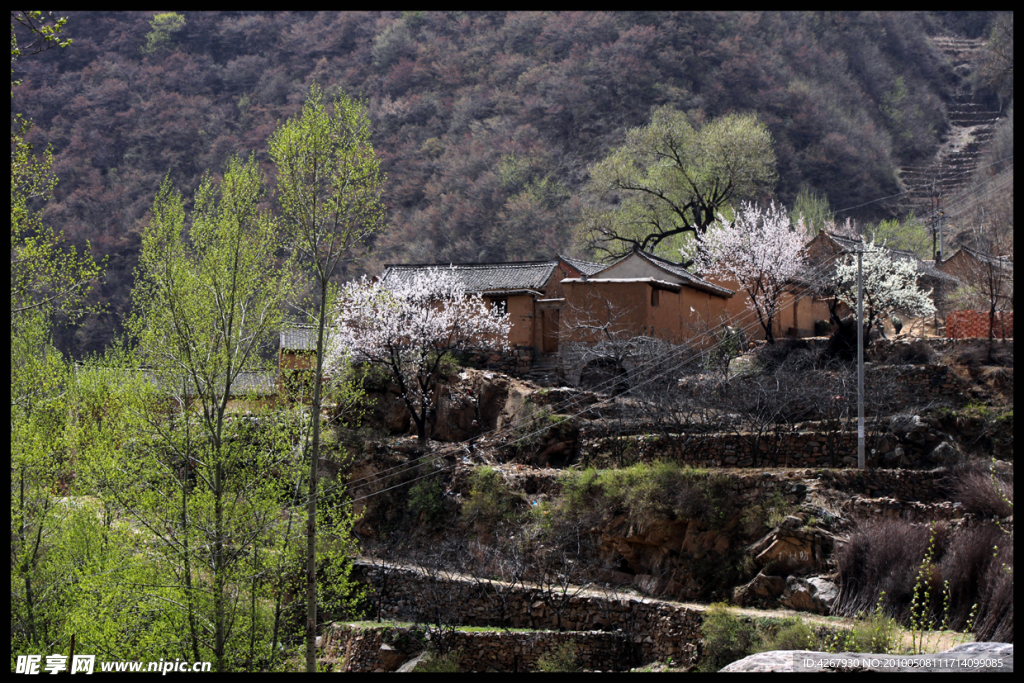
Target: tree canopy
{"points": [[671, 179]]}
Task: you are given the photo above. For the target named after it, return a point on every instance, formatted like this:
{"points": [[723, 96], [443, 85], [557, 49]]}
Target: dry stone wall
{"points": [[382, 649], [657, 629]]}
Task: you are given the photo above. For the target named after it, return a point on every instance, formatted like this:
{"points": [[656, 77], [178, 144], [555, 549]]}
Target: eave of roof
{"points": [[678, 270], [585, 267], [659, 284], [482, 277]]}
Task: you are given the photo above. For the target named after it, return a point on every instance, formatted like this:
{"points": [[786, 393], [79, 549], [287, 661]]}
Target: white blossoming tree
{"points": [[408, 328], [890, 285], [760, 250]]}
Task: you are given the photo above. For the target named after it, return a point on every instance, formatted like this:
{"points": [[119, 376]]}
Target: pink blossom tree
{"points": [[759, 249], [409, 327]]}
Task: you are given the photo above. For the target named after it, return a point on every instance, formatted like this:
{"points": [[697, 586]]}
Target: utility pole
{"points": [[860, 358], [938, 254]]}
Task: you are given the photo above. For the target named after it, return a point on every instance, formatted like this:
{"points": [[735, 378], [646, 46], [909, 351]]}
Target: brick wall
{"points": [[972, 324]]}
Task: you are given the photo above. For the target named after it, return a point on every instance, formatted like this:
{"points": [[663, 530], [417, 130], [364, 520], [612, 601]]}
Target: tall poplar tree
{"points": [[208, 299], [329, 187]]}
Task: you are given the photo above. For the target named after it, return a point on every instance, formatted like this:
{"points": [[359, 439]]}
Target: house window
{"points": [[499, 306], [655, 296]]}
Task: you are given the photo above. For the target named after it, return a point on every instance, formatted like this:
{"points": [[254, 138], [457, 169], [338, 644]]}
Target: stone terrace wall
{"points": [[658, 629], [382, 649], [917, 385], [883, 348]]}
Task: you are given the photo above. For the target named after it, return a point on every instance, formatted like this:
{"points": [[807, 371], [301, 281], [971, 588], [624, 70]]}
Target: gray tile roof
{"points": [[480, 277], [923, 269], [298, 338], [678, 270], [1002, 262], [585, 267]]}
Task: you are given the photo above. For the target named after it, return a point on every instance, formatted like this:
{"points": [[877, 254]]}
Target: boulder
{"points": [[945, 453], [788, 553], [761, 587], [814, 594], [966, 658], [390, 658], [412, 663]]}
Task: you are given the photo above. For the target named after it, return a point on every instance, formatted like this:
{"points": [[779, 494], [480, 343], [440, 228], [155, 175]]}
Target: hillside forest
{"points": [[486, 124], [228, 443]]}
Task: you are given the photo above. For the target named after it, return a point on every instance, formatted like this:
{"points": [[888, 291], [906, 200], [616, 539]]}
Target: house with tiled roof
{"points": [[828, 246], [530, 291]]}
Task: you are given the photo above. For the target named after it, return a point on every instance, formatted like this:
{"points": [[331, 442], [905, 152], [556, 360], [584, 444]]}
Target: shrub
{"points": [[881, 556], [426, 497], [914, 353], [930, 579], [792, 634], [727, 638], [771, 356], [490, 500], [977, 354], [877, 633], [662, 489], [560, 660], [984, 493], [995, 605]]}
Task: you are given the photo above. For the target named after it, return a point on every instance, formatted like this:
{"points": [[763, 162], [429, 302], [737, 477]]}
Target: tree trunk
{"points": [[314, 461]]}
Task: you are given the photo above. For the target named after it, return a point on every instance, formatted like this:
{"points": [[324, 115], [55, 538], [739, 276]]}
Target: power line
{"points": [[679, 351]]}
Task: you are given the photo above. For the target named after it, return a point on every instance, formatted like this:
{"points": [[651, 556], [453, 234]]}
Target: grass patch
{"points": [[560, 660], [662, 489]]}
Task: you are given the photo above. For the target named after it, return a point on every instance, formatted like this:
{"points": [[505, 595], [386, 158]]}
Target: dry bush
{"points": [[977, 354], [771, 356], [995, 608], [887, 556], [915, 353], [881, 555], [966, 566], [998, 377], [982, 493]]}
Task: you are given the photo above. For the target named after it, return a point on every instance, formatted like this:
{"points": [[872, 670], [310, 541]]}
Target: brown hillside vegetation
{"points": [[485, 122]]}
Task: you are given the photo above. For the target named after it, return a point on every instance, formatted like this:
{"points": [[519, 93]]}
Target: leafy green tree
{"points": [[164, 25], [670, 179], [814, 210], [329, 186], [911, 234], [47, 276], [208, 300]]}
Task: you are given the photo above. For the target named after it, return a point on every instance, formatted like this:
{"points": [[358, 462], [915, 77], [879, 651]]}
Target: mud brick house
{"points": [[531, 292], [642, 295], [827, 247], [992, 276], [973, 267]]}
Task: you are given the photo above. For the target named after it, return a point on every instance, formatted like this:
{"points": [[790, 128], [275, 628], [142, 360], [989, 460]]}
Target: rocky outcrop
{"points": [[793, 546], [966, 658], [813, 594]]}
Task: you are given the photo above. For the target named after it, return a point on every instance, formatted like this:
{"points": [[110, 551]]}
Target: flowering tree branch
{"points": [[760, 250], [410, 327]]}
